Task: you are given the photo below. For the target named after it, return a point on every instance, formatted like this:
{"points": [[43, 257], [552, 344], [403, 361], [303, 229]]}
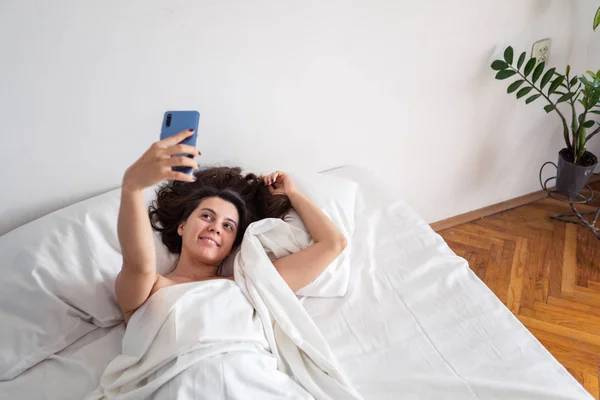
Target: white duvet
{"points": [[204, 340]]}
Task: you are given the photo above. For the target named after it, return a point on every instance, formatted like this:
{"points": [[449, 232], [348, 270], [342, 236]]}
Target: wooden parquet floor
{"points": [[547, 273]]}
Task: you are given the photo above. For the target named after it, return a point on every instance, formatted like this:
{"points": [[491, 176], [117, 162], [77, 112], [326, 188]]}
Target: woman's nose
{"points": [[214, 229]]}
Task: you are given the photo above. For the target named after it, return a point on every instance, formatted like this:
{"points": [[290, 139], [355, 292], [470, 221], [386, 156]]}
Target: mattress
{"points": [[415, 323]]}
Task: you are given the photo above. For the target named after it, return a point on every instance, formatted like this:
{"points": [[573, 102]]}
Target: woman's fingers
{"points": [[182, 149], [180, 176], [177, 138], [269, 180], [181, 162], [272, 177]]}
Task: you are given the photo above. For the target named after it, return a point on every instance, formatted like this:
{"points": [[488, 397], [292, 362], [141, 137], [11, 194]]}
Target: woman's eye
{"points": [[207, 216], [229, 226]]}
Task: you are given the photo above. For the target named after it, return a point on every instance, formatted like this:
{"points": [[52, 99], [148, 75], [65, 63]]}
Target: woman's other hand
{"points": [[280, 183], [154, 166]]}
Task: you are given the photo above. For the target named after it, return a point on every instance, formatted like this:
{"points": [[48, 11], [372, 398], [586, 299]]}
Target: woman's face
{"points": [[209, 232]]}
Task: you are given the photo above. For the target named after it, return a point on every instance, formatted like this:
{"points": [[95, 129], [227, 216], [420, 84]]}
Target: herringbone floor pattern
{"points": [[547, 273]]}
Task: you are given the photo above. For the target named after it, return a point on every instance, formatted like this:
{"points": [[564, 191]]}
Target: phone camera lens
{"points": [[168, 120]]}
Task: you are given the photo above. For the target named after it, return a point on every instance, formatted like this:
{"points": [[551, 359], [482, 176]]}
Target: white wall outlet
{"points": [[541, 50]]}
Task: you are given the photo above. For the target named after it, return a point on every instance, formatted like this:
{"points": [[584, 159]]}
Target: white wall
{"points": [[401, 87]]}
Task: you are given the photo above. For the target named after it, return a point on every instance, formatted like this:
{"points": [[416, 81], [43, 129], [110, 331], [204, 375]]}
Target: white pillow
{"points": [[58, 271], [336, 197], [58, 277], [57, 281]]}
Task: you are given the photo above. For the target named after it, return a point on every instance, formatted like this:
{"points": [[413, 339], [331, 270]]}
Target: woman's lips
{"points": [[209, 241]]}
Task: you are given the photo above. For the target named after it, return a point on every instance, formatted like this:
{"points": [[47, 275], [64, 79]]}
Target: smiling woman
{"points": [[202, 221], [177, 200], [202, 217]]}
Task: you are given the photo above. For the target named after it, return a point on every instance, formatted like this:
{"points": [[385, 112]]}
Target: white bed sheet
{"points": [[70, 373], [416, 323]]}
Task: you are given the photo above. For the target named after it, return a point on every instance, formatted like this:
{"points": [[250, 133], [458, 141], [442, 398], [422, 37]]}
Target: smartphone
{"points": [[177, 121]]}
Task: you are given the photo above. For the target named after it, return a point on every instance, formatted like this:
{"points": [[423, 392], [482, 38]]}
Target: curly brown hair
{"points": [[176, 200]]}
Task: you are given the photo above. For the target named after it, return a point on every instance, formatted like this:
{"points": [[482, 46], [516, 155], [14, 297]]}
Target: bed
{"points": [[408, 320]]}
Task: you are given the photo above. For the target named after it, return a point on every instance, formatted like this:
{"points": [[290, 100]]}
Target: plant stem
{"points": [[562, 117], [592, 134], [581, 130], [574, 126]]}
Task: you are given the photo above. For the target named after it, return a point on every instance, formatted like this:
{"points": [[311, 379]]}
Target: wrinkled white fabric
{"points": [[416, 323], [295, 340], [199, 340], [204, 340]]}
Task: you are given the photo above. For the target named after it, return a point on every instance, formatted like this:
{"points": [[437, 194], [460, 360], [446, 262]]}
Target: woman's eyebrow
{"points": [[231, 220], [213, 211]]}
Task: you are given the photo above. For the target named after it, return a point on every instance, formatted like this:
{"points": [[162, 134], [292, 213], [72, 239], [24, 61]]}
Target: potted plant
{"points": [[576, 97]]}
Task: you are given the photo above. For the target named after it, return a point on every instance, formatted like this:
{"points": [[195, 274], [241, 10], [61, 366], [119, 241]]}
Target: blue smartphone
{"points": [[177, 121]]}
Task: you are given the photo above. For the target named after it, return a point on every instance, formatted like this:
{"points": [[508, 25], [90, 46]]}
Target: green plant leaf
{"points": [[537, 72], [505, 73], [588, 124], [508, 55], [523, 91], [585, 82], [557, 92], [546, 78], [529, 66], [555, 84], [597, 18], [514, 86], [593, 99], [573, 81], [549, 107], [595, 112], [532, 98], [592, 74], [521, 60], [565, 97], [499, 65]]}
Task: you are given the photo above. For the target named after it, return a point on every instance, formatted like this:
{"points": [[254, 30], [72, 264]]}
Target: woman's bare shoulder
{"points": [[160, 282]]}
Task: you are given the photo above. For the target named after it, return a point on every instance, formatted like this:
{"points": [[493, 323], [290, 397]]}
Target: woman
{"points": [[197, 335], [208, 227]]}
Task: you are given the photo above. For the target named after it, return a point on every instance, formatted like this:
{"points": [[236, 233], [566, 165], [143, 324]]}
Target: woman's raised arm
{"points": [[301, 268], [138, 273]]}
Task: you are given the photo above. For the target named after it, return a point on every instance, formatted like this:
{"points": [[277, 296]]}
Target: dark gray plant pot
{"points": [[571, 177]]}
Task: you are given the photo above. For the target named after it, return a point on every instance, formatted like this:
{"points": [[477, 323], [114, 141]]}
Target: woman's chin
{"points": [[208, 256]]}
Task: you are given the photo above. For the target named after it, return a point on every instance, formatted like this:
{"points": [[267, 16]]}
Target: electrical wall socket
{"points": [[541, 50]]}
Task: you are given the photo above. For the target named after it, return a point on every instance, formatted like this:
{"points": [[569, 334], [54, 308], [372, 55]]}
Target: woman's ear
{"points": [[180, 228]]}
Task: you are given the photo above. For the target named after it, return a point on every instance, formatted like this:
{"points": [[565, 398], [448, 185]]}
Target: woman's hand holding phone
{"points": [[155, 165]]}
